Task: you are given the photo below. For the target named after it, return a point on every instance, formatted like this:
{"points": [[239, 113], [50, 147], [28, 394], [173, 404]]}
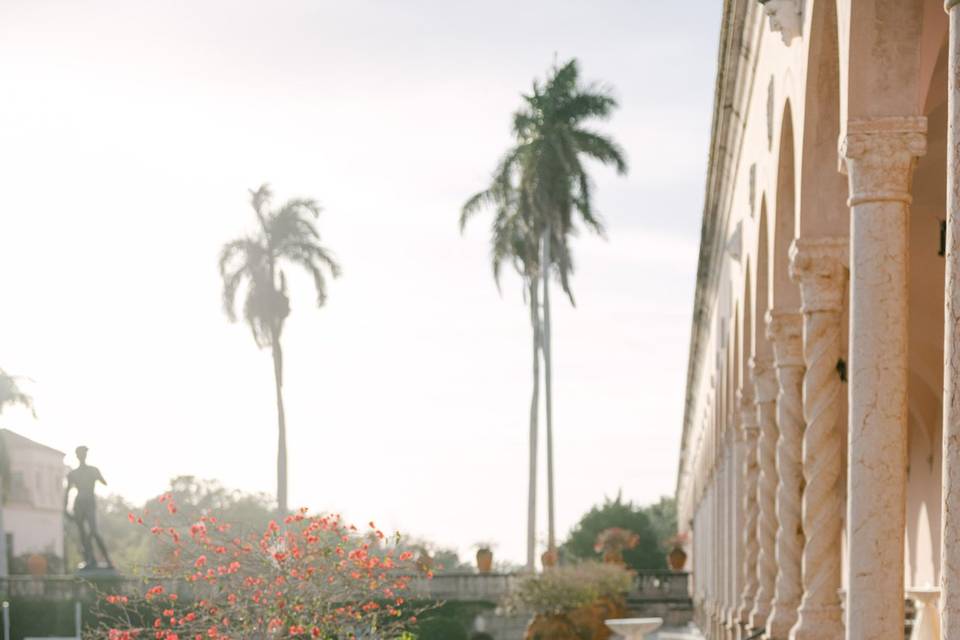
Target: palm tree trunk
{"points": [[4, 569], [281, 424], [534, 424], [548, 389]]}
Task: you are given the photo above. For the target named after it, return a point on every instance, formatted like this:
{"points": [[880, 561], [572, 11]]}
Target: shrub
{"points": [[564, 589], [309, 577]]}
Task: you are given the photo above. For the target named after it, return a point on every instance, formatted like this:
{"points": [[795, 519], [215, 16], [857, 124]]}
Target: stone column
{"points": [[950, 520], [785, 331], [765, 389], [880, 156], [819, 266], [734, 501], [750, 473]]}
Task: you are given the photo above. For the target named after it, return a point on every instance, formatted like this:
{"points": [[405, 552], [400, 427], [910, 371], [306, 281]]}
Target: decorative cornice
{"points": [[819, 266], [785, 18], [880, 154]]}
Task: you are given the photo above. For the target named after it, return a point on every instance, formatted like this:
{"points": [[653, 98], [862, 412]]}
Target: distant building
{"points": [[33, 512]]}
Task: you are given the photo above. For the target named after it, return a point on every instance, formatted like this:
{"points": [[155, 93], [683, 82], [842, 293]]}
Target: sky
{"points": [[130, 133]]}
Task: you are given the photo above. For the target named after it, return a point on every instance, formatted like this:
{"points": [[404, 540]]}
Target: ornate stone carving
{"points": [[765, 393], [819, 266], [785, 331], [750, 433], [785, 18], [880, 154]]}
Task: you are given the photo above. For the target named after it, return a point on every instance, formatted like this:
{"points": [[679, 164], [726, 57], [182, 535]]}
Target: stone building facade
{"points": [[820, 467], [32, 518]]}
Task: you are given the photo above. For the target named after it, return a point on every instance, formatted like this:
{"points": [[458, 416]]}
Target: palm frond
{"points": [[11, 394]]}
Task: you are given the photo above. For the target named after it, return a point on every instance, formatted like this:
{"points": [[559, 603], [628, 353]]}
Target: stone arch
{"points": [[746, 328], [784, 293], [926, 304], [822, 189], [888, 65], [761, 347]]}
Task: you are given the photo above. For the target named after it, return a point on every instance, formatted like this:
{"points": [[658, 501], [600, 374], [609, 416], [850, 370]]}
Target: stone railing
{"points": [[661, 586], [463, 587]]}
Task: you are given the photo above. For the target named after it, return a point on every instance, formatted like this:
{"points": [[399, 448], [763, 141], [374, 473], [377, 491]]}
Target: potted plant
{"points": [[549, 559], [612, 542], [572, 602], [484, 557], [677, 556]]}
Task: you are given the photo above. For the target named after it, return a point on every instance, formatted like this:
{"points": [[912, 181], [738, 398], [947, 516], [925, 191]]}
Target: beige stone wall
{"points": [[830, 130]]}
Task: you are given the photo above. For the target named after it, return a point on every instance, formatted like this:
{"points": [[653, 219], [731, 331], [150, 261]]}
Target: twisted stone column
{"points": [[819, 266], [751, 507], [785, 331], [765, 390], [950, 522], [880, 156]]}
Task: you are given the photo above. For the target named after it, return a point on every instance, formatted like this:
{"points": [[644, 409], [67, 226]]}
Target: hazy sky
{"points": [[130, 132]]}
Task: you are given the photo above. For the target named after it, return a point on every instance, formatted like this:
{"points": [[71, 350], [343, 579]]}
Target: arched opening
{"points": [[822, 202], [786, 294], [761, 346], [925, 349]]}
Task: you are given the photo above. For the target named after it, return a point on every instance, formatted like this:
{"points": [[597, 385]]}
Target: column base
{"points": [[781, 622], [758, 617], [819, 623]]}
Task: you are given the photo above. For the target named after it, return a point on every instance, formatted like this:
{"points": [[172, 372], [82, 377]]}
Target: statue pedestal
{"points": [[97, 573]]}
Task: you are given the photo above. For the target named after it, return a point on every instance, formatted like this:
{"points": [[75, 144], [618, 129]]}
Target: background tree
{"points": [[10, 395], [515, 240], [652, 524], [285, 236], [131, 547], [545, 173]]}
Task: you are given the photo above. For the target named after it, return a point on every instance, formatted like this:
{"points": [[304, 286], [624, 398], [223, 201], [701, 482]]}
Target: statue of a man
{"points": [[84, 479]]}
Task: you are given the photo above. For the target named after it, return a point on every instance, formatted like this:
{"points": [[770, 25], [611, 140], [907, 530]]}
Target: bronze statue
{"points": [[84, 479]]}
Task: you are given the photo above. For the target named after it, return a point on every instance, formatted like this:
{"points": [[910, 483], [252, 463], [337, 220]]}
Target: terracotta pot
{"points": [[677, 559], [37, 565], [551, 627], [549, 558], [484, 560], [590, 620]]}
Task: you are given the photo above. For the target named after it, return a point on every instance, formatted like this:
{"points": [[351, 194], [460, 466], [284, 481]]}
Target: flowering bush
{"points": [[616, 540], [309, 577], [564, 589]]}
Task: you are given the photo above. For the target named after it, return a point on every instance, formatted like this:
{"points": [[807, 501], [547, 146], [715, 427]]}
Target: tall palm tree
{"points": [[285, 236], [10, 395], [514, 240], [546, 165]]}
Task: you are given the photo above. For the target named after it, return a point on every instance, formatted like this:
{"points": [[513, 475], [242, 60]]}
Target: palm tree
{"points": [[546, 167], [285, 236], [515, 240], [10, 395]]}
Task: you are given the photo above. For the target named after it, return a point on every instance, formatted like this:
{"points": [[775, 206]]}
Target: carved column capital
{"points": [[785, 18], [819, 266], [880, 154], [950, 4], [785, 331], [764, 380]]}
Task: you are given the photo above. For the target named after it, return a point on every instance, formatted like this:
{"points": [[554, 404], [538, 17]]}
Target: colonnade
{"points": [[799, 528]]}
